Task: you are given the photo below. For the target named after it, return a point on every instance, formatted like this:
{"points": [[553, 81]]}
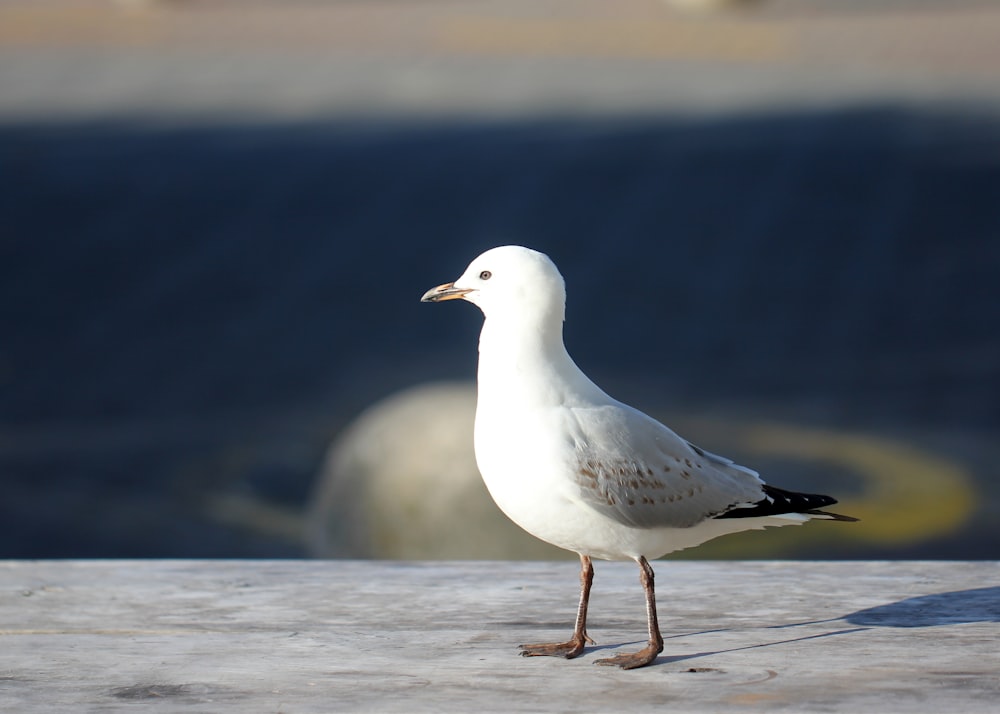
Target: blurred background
{"points": [[779, 223]]}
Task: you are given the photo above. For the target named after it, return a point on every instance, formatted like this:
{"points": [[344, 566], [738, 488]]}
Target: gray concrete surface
{"points": [[252, 636]]}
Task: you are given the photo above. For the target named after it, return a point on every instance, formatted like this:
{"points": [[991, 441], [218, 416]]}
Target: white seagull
{"points": [[580, 470]]}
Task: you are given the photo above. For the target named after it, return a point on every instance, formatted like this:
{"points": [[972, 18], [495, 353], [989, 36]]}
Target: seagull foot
{"points": [[633, 660], [569, 650]]}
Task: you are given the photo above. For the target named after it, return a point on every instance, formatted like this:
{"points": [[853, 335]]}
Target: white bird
{"points": [[583, 471]]}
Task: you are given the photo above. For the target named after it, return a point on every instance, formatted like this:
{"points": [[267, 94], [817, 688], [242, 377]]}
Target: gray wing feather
{"points": [[641, 474]]}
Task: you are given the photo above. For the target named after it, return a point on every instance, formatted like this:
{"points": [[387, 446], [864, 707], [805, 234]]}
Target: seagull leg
{"points": [[575, 645], [655, 645]]}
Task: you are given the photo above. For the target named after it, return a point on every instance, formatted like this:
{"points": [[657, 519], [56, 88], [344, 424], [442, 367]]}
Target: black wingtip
{"points": [[778, 501]]}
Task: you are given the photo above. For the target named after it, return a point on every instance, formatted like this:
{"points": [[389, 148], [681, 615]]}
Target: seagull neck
{"points": [[516, 337], [517, 354]]}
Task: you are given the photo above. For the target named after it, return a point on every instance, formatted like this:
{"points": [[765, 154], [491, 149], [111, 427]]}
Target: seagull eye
{"points": [[485, 275]]}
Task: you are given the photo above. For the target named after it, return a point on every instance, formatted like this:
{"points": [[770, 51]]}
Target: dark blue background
{"points": [[190, 310]]}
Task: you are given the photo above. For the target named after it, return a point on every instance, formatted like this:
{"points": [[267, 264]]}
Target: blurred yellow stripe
{"points": [[909, 494], [621, 39], [453, 31], [86, 25]]}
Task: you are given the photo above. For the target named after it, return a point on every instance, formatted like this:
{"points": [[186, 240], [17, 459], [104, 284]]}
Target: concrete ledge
{"points": [[319, 636]]}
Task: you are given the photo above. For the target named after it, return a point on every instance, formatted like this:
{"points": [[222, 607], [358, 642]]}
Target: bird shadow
{"points": [[935, 610], [680, 658], [949, 608]]}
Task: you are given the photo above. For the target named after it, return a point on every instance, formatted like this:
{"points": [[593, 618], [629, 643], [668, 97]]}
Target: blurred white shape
{"points": [[401, 482]]}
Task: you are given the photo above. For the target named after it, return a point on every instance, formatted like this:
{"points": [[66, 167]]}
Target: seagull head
{"points": [[508, 280]]}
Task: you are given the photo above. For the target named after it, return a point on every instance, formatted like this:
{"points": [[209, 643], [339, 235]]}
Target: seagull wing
{"points": [[632, 469]]}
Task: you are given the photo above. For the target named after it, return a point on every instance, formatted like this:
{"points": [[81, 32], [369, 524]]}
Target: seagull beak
{"points": [[448, 291]]}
